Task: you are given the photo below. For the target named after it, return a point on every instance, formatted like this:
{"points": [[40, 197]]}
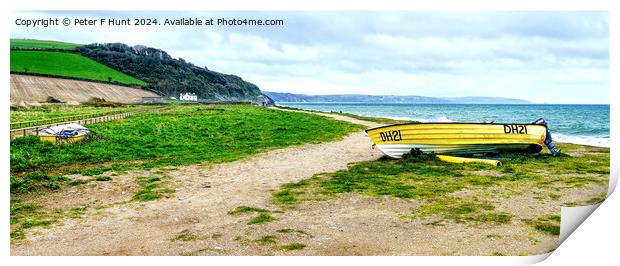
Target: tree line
{"points": [[169, 76]]}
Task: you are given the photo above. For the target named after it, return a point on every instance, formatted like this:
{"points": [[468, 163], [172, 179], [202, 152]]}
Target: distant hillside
{"points": [[117, 63], [361, 98], [488, 100], [170, 76]]}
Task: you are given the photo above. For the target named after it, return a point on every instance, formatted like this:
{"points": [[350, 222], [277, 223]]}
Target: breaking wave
{"points": [[582, 140], [423, 120]]}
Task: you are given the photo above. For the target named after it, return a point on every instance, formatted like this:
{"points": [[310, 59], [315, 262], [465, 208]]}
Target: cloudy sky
{"points": [[554, 57]]}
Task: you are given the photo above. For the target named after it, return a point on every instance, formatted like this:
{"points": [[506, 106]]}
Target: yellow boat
{"points": [[458, 138], [59, 139], [69, 133]]}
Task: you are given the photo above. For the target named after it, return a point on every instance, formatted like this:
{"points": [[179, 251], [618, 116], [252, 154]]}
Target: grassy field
{"points": [[461, 193], [55, 111], [66, 65], [41, 44], [176, 136]]}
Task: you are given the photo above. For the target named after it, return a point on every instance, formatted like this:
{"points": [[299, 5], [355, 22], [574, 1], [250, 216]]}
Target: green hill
{"points": [[151, 68], [171, 76], [41, 44], [70, 65]]}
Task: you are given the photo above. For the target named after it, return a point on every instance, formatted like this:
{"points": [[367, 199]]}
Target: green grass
{"points": [[266, 240], [246, 210], [67, 65], [292, 246], [594, 200], [186, 236], [461, 211], [289, 230], [432, 182], [41, 44], [261, 219], [37, 180], [25, 215], [92, 172], [548, 224], [179, 136], [151, 188], [103, 178], [77, 212]]}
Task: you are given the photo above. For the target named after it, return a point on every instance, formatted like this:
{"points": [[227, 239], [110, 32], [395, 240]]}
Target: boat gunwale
{"points": [[444, 123]]}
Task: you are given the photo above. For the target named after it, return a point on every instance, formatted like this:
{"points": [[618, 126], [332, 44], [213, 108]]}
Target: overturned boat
{"points": [[68, 133], [461, 138]]}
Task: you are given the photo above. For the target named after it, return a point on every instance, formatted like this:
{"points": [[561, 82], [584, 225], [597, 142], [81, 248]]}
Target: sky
{"points": [[543, 57]]}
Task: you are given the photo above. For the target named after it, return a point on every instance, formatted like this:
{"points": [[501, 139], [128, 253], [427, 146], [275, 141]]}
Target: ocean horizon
{"points": [[585, 124]]}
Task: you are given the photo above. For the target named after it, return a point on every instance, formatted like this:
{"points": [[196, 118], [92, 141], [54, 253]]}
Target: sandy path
{"points": [[204, 194]]}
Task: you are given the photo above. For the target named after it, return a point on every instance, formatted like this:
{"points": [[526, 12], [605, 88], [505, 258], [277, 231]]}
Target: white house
{"points": [[188, 96]]}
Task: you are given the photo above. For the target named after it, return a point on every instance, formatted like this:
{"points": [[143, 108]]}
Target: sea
{"points": [[571, 123]]}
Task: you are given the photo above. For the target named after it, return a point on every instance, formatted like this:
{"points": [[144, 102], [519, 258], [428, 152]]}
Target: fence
{"points": [[83, 120], [57, 120]]}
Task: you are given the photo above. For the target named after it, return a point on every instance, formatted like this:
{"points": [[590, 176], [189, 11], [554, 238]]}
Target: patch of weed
{"points": [[186, 236], [34, 223], [103, 178], [246, 210], [77, 212], [261, 219], [292, 246], [17, 235], [289, 230], [35, 181], [92, 172], [77, 182], [460, 211], [266, 240], [548, 224], [594, 200], [150, 189]]}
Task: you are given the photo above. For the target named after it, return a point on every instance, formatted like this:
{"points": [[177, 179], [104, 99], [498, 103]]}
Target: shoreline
{"points": [[593, 141]]}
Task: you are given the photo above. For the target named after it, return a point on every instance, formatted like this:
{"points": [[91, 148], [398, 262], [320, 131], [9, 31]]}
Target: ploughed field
{"points": [[34, 89]]}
